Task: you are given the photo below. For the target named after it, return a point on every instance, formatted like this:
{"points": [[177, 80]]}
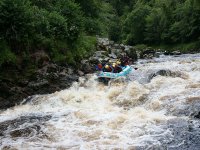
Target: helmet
{"points": [[106, 66], [118, 62], [99, 66], [114, 64]]}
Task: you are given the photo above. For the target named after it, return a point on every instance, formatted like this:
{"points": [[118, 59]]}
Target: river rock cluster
{"points": [[51, 77]]}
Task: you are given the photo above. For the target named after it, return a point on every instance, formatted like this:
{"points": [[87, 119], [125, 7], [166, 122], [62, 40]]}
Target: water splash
{"points": [[136, 114]]}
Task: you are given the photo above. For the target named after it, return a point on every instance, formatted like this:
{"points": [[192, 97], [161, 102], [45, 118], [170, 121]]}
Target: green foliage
{"points": [[140, 46], [186, 25], [134, 26], [6, 56], [50, 25], [184, 47], [115, 30], [58, 26], [72, 13], [15, 22], [121, 6], [91, 8], [84, 47], [157, 22], [155, 26], [92, 26]]}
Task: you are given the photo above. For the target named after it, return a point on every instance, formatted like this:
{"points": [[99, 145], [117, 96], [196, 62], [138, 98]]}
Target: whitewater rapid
{"points": [[156, 107]]}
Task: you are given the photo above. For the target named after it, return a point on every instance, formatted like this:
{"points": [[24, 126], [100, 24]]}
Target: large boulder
{"points": [[40, 58], [147, 53], [132, 53]]}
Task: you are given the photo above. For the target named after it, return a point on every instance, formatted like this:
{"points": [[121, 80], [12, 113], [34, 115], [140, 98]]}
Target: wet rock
{"points": [[147, 54], [167, 52], [23, 126], [176, 52], [132, 53], [158, 54], [80, 73], [85, 68], [9, 148], [168, 73], [100, 53], [112, 56], [38, 84], [21, 132]]}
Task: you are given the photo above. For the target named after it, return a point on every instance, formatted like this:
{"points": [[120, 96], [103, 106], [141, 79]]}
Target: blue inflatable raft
{"points": [[125, 71]]}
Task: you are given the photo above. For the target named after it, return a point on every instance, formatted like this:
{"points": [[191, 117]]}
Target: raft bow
{"points": [[125, 71]]}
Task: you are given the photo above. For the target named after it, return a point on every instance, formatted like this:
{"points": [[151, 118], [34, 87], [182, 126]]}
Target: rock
{"points": [[158, 54], [112, 56], [80, 73], [131, 52], [63, 72], [70, 71], [117, 52], [52, 67], [116, 46], [103, 44], [52, 76], [86, 68], [40, 58], [39, 84], [106, 59], [112, 43], [4, 103], [18, 127], [176, 52], [148, 53], [168, 73], [23, 82], [100, 53], [167, 52], [4, 89]]}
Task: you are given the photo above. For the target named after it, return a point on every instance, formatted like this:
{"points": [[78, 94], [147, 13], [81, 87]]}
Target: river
{"points": [[156, 107]]}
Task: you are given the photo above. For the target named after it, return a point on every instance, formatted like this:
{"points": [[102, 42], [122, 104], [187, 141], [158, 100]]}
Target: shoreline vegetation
{"points": [[66, 30]]}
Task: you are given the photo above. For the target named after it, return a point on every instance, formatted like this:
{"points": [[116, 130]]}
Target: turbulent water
{"points": [[156, 107]]}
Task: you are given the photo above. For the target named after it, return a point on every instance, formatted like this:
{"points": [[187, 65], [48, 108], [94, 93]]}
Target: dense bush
{"points": [[16, 23], [51, 25]]}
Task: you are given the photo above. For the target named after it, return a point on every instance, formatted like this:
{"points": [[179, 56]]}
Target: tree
{"points": [[187, 21], [15, 22], [134, 26]]}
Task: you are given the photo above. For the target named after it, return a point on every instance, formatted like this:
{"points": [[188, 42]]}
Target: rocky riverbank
{"points": [[17, 83]]}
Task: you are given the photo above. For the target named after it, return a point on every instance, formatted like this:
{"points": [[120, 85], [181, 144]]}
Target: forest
{"points": [[67, 29]]}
